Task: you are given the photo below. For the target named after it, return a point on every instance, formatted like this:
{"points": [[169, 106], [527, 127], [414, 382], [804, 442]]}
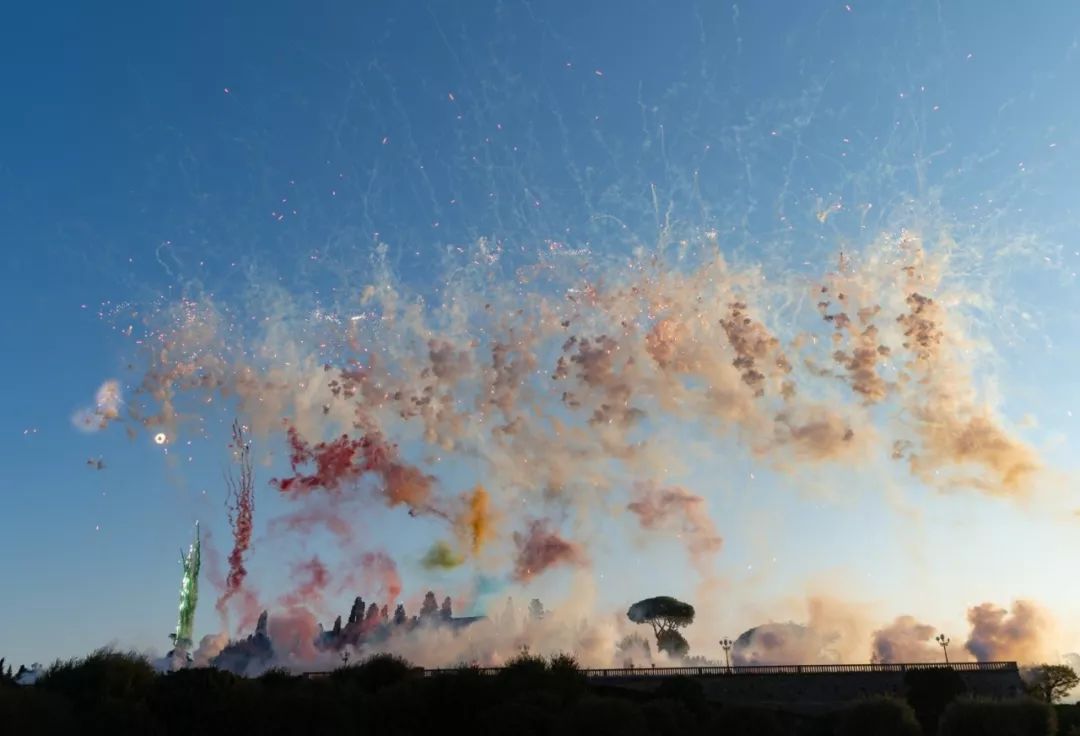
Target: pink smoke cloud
{"points": [[540, 549]]}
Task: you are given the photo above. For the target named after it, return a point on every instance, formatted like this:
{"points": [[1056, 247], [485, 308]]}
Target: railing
{"points": [[786, 669]]}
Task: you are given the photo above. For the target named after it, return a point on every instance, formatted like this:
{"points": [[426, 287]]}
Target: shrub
{"points": [[521, 717], [748, 721], [565, 677], [593, 716], [28, 710], [686, 690], [524, 673], [375, 673], [203, 701], [880, 716], [929, 691], [667, 717], [1017, 717], [107, 690]]}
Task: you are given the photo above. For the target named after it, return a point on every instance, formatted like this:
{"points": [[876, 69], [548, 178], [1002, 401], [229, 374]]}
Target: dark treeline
{"points": [[116, 693]]}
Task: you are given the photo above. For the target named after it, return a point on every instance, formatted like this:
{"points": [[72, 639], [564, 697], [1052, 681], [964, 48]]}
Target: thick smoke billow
{"points": [[780, 643], [904, 640], [998, 634], [209, 647], [106, 408], [835, 632]]}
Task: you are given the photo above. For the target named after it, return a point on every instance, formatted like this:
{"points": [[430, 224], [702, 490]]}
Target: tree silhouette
{"points": [[356, 613], [536, 609], [929, 692], [6, 678], [446, 612], [429, 608], [672, 643], [666, 615], [1051, 682], [399, 614]]}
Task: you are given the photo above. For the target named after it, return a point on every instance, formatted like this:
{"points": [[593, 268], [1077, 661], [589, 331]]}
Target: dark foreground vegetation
{"points": [[116, 693]]}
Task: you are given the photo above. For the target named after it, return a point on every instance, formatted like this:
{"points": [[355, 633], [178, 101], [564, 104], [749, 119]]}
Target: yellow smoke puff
{"points": [[475, 523]]}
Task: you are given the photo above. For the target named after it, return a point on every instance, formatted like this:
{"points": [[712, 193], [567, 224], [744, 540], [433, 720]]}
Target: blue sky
{"points": [[148, 152]]}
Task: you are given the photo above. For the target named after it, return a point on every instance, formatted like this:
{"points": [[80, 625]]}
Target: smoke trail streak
{"points": [[241, 510]]}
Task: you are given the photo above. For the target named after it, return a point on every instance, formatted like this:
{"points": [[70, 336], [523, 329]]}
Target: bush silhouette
{"points": [[929, 691], [880, 716], [375, 673], [107, 688], [108, 692], [201, 701], [565, 677], [686, 690], [28, 710], [523, 716], [1068, 718], [666, 717], [1018, 717], [523, 673], [593, 716], [748, 721]]}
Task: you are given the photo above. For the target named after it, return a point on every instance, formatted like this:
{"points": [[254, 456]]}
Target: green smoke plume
{"points": [[441, 556], [189, 592]]}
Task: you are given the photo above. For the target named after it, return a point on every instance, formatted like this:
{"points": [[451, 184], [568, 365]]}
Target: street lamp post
{"points": [[726, 644], [944, 642]]}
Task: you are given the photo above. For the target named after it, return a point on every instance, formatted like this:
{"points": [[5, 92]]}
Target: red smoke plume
{"points": [[293, 634], [540, 548], [381, 567], [314, 578], [306, 519], [346, 459], [335, 462]]}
